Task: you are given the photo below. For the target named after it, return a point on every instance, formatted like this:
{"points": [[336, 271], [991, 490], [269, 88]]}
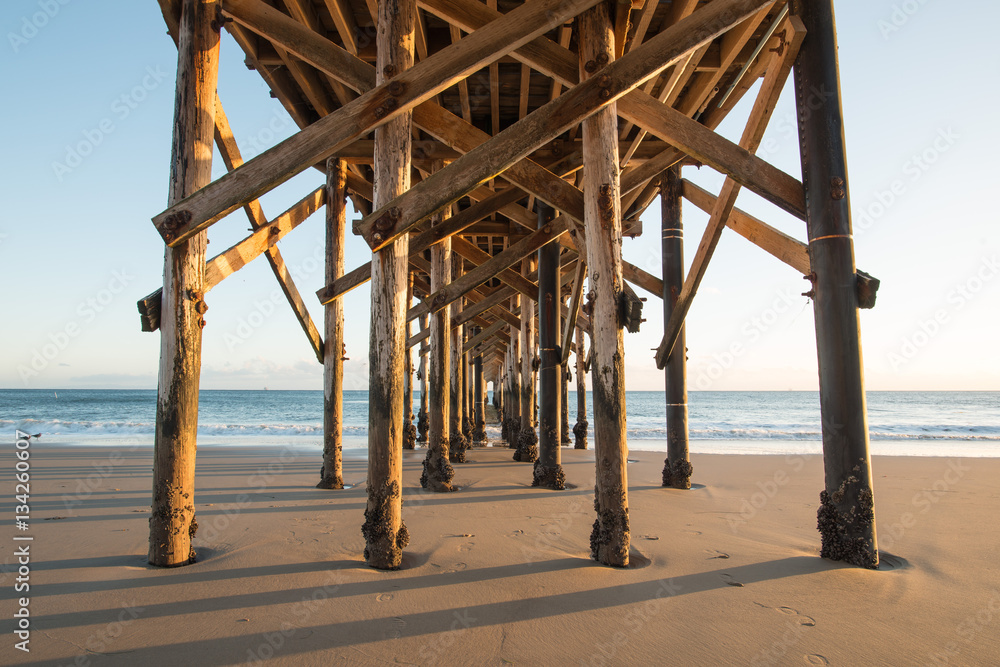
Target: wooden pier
{"points": [[497, 152]]}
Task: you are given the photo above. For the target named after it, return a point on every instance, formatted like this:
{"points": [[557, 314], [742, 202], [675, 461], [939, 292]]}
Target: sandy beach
{"points": [[499, 572]]}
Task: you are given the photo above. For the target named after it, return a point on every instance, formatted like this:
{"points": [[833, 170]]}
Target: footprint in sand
{"points": [[728, 578], [384, 597], [396, 626], [800, 618], [816, 659], [716, 554], [467, 546], [456, 567]]}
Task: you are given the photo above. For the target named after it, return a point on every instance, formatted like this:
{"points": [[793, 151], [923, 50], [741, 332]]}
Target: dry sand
{"points": [[498, 573]]}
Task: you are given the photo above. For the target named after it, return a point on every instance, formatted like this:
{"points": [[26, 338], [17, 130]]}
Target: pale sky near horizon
{"points": [[86, 136]]}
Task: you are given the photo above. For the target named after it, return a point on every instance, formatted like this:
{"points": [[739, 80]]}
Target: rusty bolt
{"points": [[380, 112], [202, 323], [201, 307], [604, 81], [547, 229], [383, 223], [395, 213], [590, 66], [837, 188], [602, 59], [605, 94], [397, 88], [274, 230], [389, 71], [557, 148], [377, 237], [439, 299], [390, 104], [605, 202], [606, 189], [810, 294]]}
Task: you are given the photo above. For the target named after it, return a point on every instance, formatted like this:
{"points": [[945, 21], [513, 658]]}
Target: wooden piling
{"points": [[422, 424], [409, 428], [527, 438], [513, 389], [479, 397], [172, 524], [847, 509], [548, 470], [458, 443], [331, 474], [384, 532], [564, 377], [677, 466], [609, 541], [438, 472], [581, 426], [467, 382]]}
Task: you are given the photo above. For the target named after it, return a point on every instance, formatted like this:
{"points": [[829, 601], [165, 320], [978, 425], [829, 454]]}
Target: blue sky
{"points": [[86, 136]]}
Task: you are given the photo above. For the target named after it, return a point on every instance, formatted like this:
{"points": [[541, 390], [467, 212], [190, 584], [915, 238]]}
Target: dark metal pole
{"points": [[548, 470], [677, 466], [847, 510], [479, 429]]}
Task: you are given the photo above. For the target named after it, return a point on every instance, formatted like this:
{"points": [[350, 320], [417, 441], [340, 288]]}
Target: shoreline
{"points": [[499, 572]]}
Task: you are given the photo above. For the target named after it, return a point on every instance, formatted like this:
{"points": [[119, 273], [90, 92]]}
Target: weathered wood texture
{"points": [[172, 523], [384, 532], [609, 541], [847, 510], [458, 442], [580, 428], [677, 466], [409, 428], [527, 439], [438, 472], [332, 472]]}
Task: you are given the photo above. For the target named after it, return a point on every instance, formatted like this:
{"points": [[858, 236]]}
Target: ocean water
{"points": [[902, 423]]}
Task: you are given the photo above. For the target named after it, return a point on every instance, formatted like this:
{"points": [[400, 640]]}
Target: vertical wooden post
{"points": [[847, 510], [458, 443], [422, 424], [677, 466], [467, 400], [564, 378], [513, 390], [331, 474], [409, 428], [384, 532], [172, 524], [438, 472], [527, 439], [548, 469], [580, 428], [479, 395], [609, 541]]}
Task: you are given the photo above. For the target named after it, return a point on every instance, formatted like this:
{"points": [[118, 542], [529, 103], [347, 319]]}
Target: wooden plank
{"points": [[574, 310], [788, 249], [763, 108], [369, 111], [514, 143], [343, 20], [643, 279], [261, 240], [491, 268], [424, 240]]}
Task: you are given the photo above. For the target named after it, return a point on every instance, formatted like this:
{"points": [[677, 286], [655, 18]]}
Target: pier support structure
{"points": [[458, 443], [847, 510], [527, 439], [384, 532], [479, 396], [409, 428], [422, 424], [332, 474], [548, 470], [677, 466], [172, 524], [609, 541], [581, 426]]}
